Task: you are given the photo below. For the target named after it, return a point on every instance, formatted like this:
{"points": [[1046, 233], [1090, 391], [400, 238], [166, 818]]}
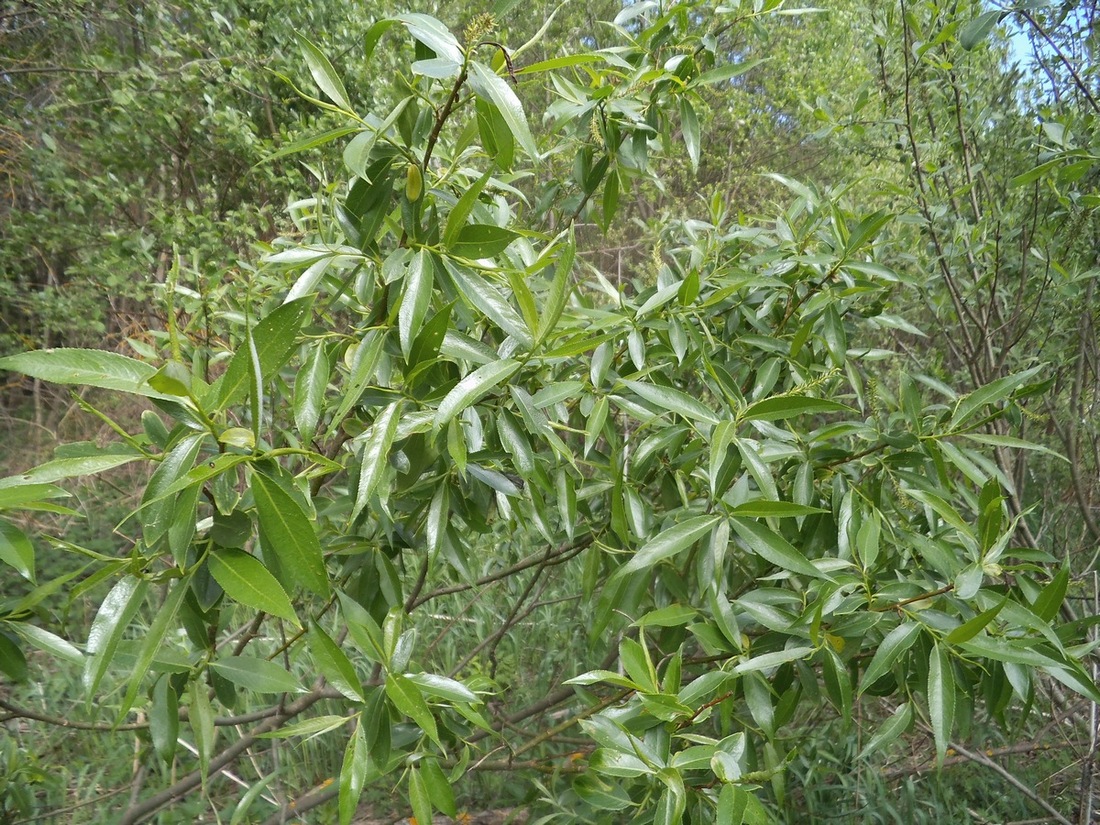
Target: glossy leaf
{"points": [[324, 75], [669, 543], [16, 550], [492, 88], [288, 535], [247, 581], [258, 675], [473, 387], [334, 664]]}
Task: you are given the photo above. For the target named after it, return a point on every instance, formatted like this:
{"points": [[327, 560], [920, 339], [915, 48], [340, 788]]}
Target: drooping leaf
{"points": [[255, 674], [275, 339], [244, 579], [84, 367], [771, 546], [353, 774], [16, 549], [489, 86], [288, 535], [473, 387], [376, 450], [114, 615], [941, 699], [334, 664], [668, 543], [324, 75]]}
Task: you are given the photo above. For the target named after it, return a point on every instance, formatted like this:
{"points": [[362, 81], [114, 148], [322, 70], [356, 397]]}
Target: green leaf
{"points": [[888, 731], [113, 617], [481, 241], [1050, 598], [770, 660], [689, 125], [287, 534], [635, 659], [275, 338], [353, 774], [788, 406], [975, 31], [60, 468], [245, 580], [991, 393], [12, 660], [49, 642], [308, 727], [157, 509], [201, 716], [456, 220], [439, 789], [668, 543], [443, 687], [407, 699], [772, 547], [323, 74], [969, 629], [418, 796], [760, 508], [310, 384], [164, 719], [432, 34], [724, 73], [334, 664], [493, 89], [419, 285], [256, 674], [483, 297], [674, 401], [941, 699], [473, 387], [85, 367], [24, 496], [16, 549], [895, 643], [376, 451], [310, 142], [152, 641]]}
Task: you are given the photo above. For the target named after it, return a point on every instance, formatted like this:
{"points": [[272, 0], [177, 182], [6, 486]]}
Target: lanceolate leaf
{"points": [[257, 675], [153, 638], [941, 699], [115, 613], [288, 535], [407, 699], [491, 87], [323, 74], [16, 549], [353, 773], [674, 540], [896, 642], [769, 545], [334, 664], [376, 450], [85, 367], [244, 579], [275, 338], [889, 730], [787, 406], [473, 387], [674, 401]]}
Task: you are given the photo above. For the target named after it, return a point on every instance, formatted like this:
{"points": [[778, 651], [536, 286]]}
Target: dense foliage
{"points": [[439, 486]]}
